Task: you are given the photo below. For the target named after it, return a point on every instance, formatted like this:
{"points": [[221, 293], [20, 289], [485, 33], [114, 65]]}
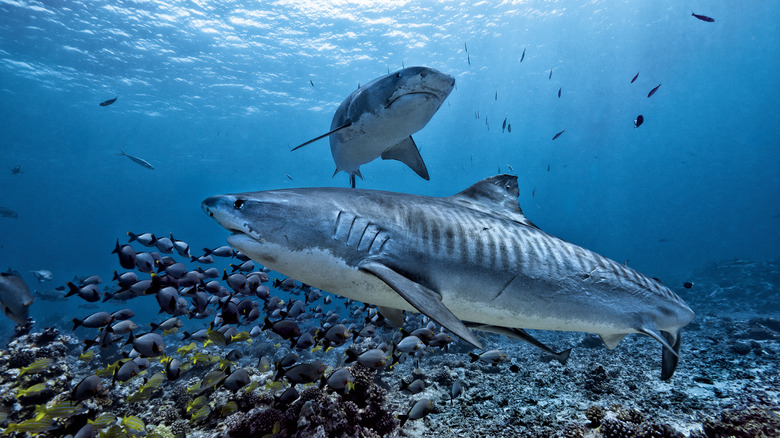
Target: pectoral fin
{"points": [[406, 152], [423, 299], [347, 125]]}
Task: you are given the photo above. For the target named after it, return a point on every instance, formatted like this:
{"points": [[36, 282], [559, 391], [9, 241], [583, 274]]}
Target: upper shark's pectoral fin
{"points": [[612, 341], [406, 152], [521, 334], [346, 125], [670, 358], [395, 316], [423, 299]]}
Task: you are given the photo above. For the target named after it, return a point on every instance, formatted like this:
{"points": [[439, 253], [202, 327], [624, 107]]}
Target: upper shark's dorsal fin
{"points": [[497, 194], [346, 125], [406, 152], [423, 299]]}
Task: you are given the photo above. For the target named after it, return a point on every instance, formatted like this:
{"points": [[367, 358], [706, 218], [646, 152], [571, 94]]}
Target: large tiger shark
{"points": [[379, 118], [471, 258]]}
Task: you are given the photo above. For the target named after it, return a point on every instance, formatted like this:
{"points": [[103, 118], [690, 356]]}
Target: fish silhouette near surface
{"points": [[471, 258], [108, 102], [703, 18], [379, 118], [136, 160]]}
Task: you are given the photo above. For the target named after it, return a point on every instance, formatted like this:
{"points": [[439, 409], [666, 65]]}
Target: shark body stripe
{"points": [[474, 253]]}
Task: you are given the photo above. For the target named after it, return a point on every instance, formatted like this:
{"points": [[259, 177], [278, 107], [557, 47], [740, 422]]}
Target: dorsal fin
{"points": [[496, 194]]}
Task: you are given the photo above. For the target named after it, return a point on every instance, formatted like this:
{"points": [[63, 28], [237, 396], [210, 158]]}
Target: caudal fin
{"points": [[670, 358]]}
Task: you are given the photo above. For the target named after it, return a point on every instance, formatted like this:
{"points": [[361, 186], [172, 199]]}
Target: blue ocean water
{"points": [[215, 94]]}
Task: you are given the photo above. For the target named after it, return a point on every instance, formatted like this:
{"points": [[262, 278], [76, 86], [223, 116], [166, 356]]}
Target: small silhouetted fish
{"points": [[496, 95], [550, 77], [503, 127], [108, 102], [419, 410], [16, 169], [468, 58], [139, 161], [288, 176], [638, 121], [548, 167], [522, 57], [466, 46], [653, 91], [312, 83], [559, 93], [509, 128], [635, 76], [555, 137], [688, 285], [87, 388], [7, 212], [456, 390], [703, 18]]}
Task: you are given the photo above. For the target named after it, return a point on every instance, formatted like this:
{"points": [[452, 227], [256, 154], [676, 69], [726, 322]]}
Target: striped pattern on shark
{"points": [[472, 257]]}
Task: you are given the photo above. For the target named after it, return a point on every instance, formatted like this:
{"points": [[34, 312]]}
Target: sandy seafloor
{"points": [[727, 382]]}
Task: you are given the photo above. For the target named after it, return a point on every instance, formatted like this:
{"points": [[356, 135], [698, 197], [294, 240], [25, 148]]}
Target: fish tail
{"points": [[76, 323], [73, 289]]}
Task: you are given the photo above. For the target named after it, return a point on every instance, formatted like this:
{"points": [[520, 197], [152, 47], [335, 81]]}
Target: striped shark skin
{"points": [[471, 258]]}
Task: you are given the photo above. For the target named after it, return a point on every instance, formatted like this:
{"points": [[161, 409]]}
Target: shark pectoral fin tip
{"points": [[421, 298]]}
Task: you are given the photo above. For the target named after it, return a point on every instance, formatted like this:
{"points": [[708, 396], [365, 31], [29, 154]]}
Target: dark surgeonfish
{"points": [[429, 254], [379, 118], [108, 102], [139, 161], [703, 18], [634, 78], [7, 212], [555, 137], [15, 297], [638, 121], [650, 94]]}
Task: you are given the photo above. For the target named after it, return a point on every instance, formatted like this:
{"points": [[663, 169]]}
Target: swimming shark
{"points": [[471, 258], [379, 118]]}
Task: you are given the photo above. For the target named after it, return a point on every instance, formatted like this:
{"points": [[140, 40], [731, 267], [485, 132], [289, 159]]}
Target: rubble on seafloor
{"points": [[727, 385]]}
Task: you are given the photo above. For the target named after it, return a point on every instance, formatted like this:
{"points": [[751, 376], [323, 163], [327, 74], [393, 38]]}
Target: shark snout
{"points": [[224, 209], [208, 204]]}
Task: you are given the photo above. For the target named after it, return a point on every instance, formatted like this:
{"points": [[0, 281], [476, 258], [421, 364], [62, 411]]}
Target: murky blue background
{"points": [[214, 94]]}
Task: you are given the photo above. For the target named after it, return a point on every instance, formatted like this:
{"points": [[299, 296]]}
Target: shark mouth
{"points": [[435, 96]]}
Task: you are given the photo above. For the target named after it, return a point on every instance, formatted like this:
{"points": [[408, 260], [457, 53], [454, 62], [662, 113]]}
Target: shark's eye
{"points": [[238, 204]]}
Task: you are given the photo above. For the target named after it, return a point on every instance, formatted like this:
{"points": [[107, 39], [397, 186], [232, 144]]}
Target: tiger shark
{"points": [[471, 258], [379, 118]]}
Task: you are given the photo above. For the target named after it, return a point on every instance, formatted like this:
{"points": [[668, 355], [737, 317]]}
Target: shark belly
{"points": [[322, 269], [372, 134]]}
